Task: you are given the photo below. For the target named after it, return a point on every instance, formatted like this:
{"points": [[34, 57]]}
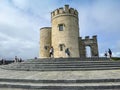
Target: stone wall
{"points": [[45, 42], [92, 43]]}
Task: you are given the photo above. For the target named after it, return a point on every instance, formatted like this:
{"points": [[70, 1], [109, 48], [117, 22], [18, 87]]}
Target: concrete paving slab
{"points": [[60, 75]]}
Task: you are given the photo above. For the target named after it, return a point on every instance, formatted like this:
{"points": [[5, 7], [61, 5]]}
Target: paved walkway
{"points": [[60, 75]]}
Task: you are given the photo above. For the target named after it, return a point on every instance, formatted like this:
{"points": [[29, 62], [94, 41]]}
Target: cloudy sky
{"points": [[20, 21]]}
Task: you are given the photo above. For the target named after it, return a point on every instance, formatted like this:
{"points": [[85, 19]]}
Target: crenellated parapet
{"points": [[88, 41], [94, 38], [64, 11]]}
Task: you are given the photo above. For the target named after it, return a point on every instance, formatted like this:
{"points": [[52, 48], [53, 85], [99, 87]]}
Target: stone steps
{"points": [[64, 64], [61, 74], [70, 59], [88, 84], [67, 62], [63, 69]]}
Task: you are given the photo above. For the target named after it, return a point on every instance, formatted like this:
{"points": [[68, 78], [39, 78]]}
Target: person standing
{"points": [[106, 54], [20, 60], [2, 61], [51, 52], [67, 52], [110, 53], [16, 59]]}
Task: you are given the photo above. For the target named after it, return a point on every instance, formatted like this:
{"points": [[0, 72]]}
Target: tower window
{"points": [[46, 47], [60, 27], [61, 47]]}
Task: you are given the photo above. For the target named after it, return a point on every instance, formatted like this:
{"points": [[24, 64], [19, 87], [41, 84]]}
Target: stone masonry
{"points": [[63, 34]]}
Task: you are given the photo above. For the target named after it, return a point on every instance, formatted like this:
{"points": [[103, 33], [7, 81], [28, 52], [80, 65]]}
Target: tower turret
{"points": [[45, 42]]}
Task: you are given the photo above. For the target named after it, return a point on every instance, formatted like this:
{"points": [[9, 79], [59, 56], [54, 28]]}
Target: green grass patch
{"points": [[116, 58]]}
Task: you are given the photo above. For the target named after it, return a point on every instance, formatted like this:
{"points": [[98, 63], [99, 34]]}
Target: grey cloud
{"points": [[20, 47]]}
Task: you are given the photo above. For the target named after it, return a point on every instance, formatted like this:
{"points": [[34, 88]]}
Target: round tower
{"points": [[45, 42], [65, 31]]}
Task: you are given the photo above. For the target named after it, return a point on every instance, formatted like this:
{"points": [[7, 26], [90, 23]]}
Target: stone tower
{"points": [[63, 34], [45, 41], [65, 31]]}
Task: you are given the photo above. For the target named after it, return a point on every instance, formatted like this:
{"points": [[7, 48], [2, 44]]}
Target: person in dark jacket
{"points": [[51, 52], [110, 53], [67, 52]]}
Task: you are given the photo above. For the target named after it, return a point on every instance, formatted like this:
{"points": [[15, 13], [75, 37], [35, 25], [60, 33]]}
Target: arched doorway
{"points": [[88, 51]]}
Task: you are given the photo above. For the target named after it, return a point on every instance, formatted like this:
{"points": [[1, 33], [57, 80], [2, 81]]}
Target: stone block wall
{"points": [[45, 42]]}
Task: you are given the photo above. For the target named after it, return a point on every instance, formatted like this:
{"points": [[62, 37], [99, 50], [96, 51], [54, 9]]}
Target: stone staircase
{"points": [[65, 64], [94, 84], [61, 74]]}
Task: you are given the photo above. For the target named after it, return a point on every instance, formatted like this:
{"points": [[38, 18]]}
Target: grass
{"points": [[116, 58]]}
